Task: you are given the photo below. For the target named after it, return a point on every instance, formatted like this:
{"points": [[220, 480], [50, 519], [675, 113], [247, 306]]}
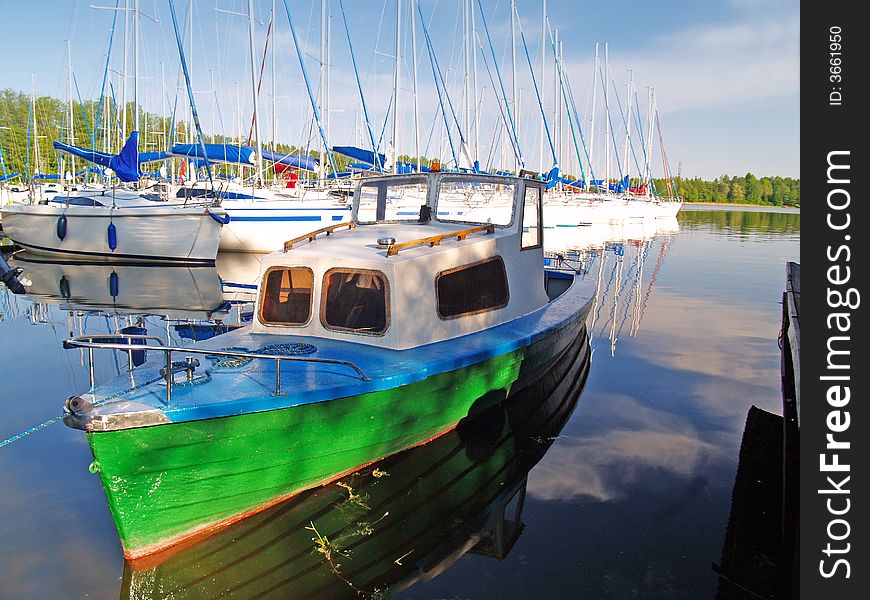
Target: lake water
{"points": [[630, 485]]}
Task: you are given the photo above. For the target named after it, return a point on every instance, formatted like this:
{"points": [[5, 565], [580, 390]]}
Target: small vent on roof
{"points": [[386, 242]]}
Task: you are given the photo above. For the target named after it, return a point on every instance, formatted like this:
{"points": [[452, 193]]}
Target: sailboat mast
{"points": [[274, 79], [563, 107], [466, 45], [474, 62], [323, 148], [35, 132], [213, 108], [190, 137], [163, 130], [594, 97], [124, 71], [416, 100], [628, 94], [514, 67], [136, 66], [328, 73], [69, 81], [649, 140], [258, 177], [543, 76], [606, 121], [556, 105], [396, 78], [238, 112]]}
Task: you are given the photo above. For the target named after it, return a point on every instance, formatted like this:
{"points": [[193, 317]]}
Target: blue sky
{"points": [[725, 72]]}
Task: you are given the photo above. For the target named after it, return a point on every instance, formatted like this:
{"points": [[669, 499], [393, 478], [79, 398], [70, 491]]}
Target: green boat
{"points": [[382, 529], [369, 337]]}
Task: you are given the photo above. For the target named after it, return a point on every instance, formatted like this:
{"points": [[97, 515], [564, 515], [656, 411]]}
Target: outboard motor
{"points": [[12, 277]]}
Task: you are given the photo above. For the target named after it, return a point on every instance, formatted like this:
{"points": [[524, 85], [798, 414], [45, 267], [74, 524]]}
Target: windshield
{"points": [[391, 200], [476, 201]]}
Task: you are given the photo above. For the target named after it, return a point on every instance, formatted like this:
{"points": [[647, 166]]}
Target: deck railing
{"points": [[85, 341], [312, 235], [435, 240]]}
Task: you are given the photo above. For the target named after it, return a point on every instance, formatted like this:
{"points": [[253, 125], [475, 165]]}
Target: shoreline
{"points": [[737, 205]]}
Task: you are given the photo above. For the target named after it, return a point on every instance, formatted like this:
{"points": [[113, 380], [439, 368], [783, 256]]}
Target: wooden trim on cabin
{"points": [[324, 289], [288, 245], [438, 277], [435, 240]]}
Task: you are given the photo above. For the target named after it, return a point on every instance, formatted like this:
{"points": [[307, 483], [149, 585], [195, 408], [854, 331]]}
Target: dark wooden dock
{"points": [[761, 549], [791, 343]]}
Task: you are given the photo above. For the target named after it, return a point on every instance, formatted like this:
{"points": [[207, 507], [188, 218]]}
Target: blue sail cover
{"points": [[552, 178], [145, 157], [406, 167], [360, 154], [126, 163], [100, 158], [620, 186], [9, 176], [104, 158], [225, 153], [577, 183], [297, 161]]}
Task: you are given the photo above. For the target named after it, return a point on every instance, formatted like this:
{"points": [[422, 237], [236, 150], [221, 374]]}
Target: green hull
{"points": [[166, 483], [388, 525]]}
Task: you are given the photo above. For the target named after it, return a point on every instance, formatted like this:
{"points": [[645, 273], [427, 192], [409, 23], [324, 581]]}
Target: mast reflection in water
{"points": [[397, 522]]}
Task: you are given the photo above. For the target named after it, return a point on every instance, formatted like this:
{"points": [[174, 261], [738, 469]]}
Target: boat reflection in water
{"points": [[191, 303], [622, 261], [174, 292], [394, 523]]}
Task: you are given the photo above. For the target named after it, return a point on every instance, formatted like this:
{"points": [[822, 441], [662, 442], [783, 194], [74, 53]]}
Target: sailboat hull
{"points": [[264, 225], [182, 234]]}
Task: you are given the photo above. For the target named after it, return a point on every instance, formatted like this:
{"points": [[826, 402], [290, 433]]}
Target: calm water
{"points": [[628, 493]]}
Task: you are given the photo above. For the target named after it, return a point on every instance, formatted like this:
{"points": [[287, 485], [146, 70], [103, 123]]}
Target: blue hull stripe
{"points": [[312, 208], [235, 219]]}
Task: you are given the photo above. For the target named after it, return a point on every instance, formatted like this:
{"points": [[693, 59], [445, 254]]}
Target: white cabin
{"points": [[422, 276]]}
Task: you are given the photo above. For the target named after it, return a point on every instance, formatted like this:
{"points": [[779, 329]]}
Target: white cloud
{"points": [[718, 66]]}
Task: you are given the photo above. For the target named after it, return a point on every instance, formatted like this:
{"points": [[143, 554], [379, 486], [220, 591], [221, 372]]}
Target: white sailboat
{"points": [[115, 224]]}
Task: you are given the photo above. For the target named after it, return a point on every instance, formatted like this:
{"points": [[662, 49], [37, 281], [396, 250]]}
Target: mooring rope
{"points": [[177, 368], [222, 362]]}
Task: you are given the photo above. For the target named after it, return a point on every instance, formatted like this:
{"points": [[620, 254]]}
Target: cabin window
{"points": [[532, 218], [355, 300], [475, 201], [286, 296], [472, 289], [382, 200]]}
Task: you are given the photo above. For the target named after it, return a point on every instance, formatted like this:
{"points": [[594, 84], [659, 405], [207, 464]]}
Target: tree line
{"points": [[745, 189], [26, 153]]}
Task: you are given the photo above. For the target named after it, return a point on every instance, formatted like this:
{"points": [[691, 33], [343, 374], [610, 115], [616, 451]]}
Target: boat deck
{"points": [[250, 386]]}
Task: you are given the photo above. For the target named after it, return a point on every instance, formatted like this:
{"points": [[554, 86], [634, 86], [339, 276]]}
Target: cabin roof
{"points": [[361, 242]]}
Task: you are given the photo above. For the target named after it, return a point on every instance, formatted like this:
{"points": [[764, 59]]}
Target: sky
{"points": [[725, 75]]}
